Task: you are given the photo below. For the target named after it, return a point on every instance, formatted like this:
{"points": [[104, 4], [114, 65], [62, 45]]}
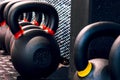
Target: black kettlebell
{"points": [[25, 28], [23, 21], [3, 26], [35, 53], [98, 68], [114, 59], [9, 39], [27, 18], [2, 6], [9, 5]]}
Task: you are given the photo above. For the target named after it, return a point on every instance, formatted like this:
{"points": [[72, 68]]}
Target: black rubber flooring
{"points": [[7, 71]]}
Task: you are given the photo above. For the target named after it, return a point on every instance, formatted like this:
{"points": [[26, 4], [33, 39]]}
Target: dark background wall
{"points": [[79, 19]]}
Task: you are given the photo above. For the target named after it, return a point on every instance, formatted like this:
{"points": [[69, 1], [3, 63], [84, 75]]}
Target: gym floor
{"points": [[8, 72]]}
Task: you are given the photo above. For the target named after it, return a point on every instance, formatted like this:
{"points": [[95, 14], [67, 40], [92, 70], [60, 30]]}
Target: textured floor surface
{"points": [[7, 71]]}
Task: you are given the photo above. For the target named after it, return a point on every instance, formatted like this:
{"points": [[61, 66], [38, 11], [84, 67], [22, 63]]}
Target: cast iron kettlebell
{"points": [[98, 68], [35, 53]]}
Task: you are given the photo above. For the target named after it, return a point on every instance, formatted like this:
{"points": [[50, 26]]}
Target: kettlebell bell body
{"points": [[41, 52], [114, 59], [34, 50]]}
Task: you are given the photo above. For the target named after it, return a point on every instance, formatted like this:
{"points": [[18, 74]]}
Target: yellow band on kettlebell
{"points": [[86, 71]]}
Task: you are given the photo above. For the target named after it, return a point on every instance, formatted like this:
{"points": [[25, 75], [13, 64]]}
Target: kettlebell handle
{"points": [[86, 35], [2, 6], [7, 8], [28, 6]]}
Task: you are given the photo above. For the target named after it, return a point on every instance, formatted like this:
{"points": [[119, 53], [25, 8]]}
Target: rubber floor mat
{"points": [[7, 71]]}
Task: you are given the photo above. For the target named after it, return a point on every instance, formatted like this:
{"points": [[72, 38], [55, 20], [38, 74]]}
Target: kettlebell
{"points": [[3, 26], [35, 53], [23, 22], [36, 21], [2, 6], [25, 28], [114, 59], [98, 68], [8, 6]]}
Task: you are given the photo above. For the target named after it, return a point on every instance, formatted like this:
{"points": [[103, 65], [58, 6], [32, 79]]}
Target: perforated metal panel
{"points": [[63, 33]]}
